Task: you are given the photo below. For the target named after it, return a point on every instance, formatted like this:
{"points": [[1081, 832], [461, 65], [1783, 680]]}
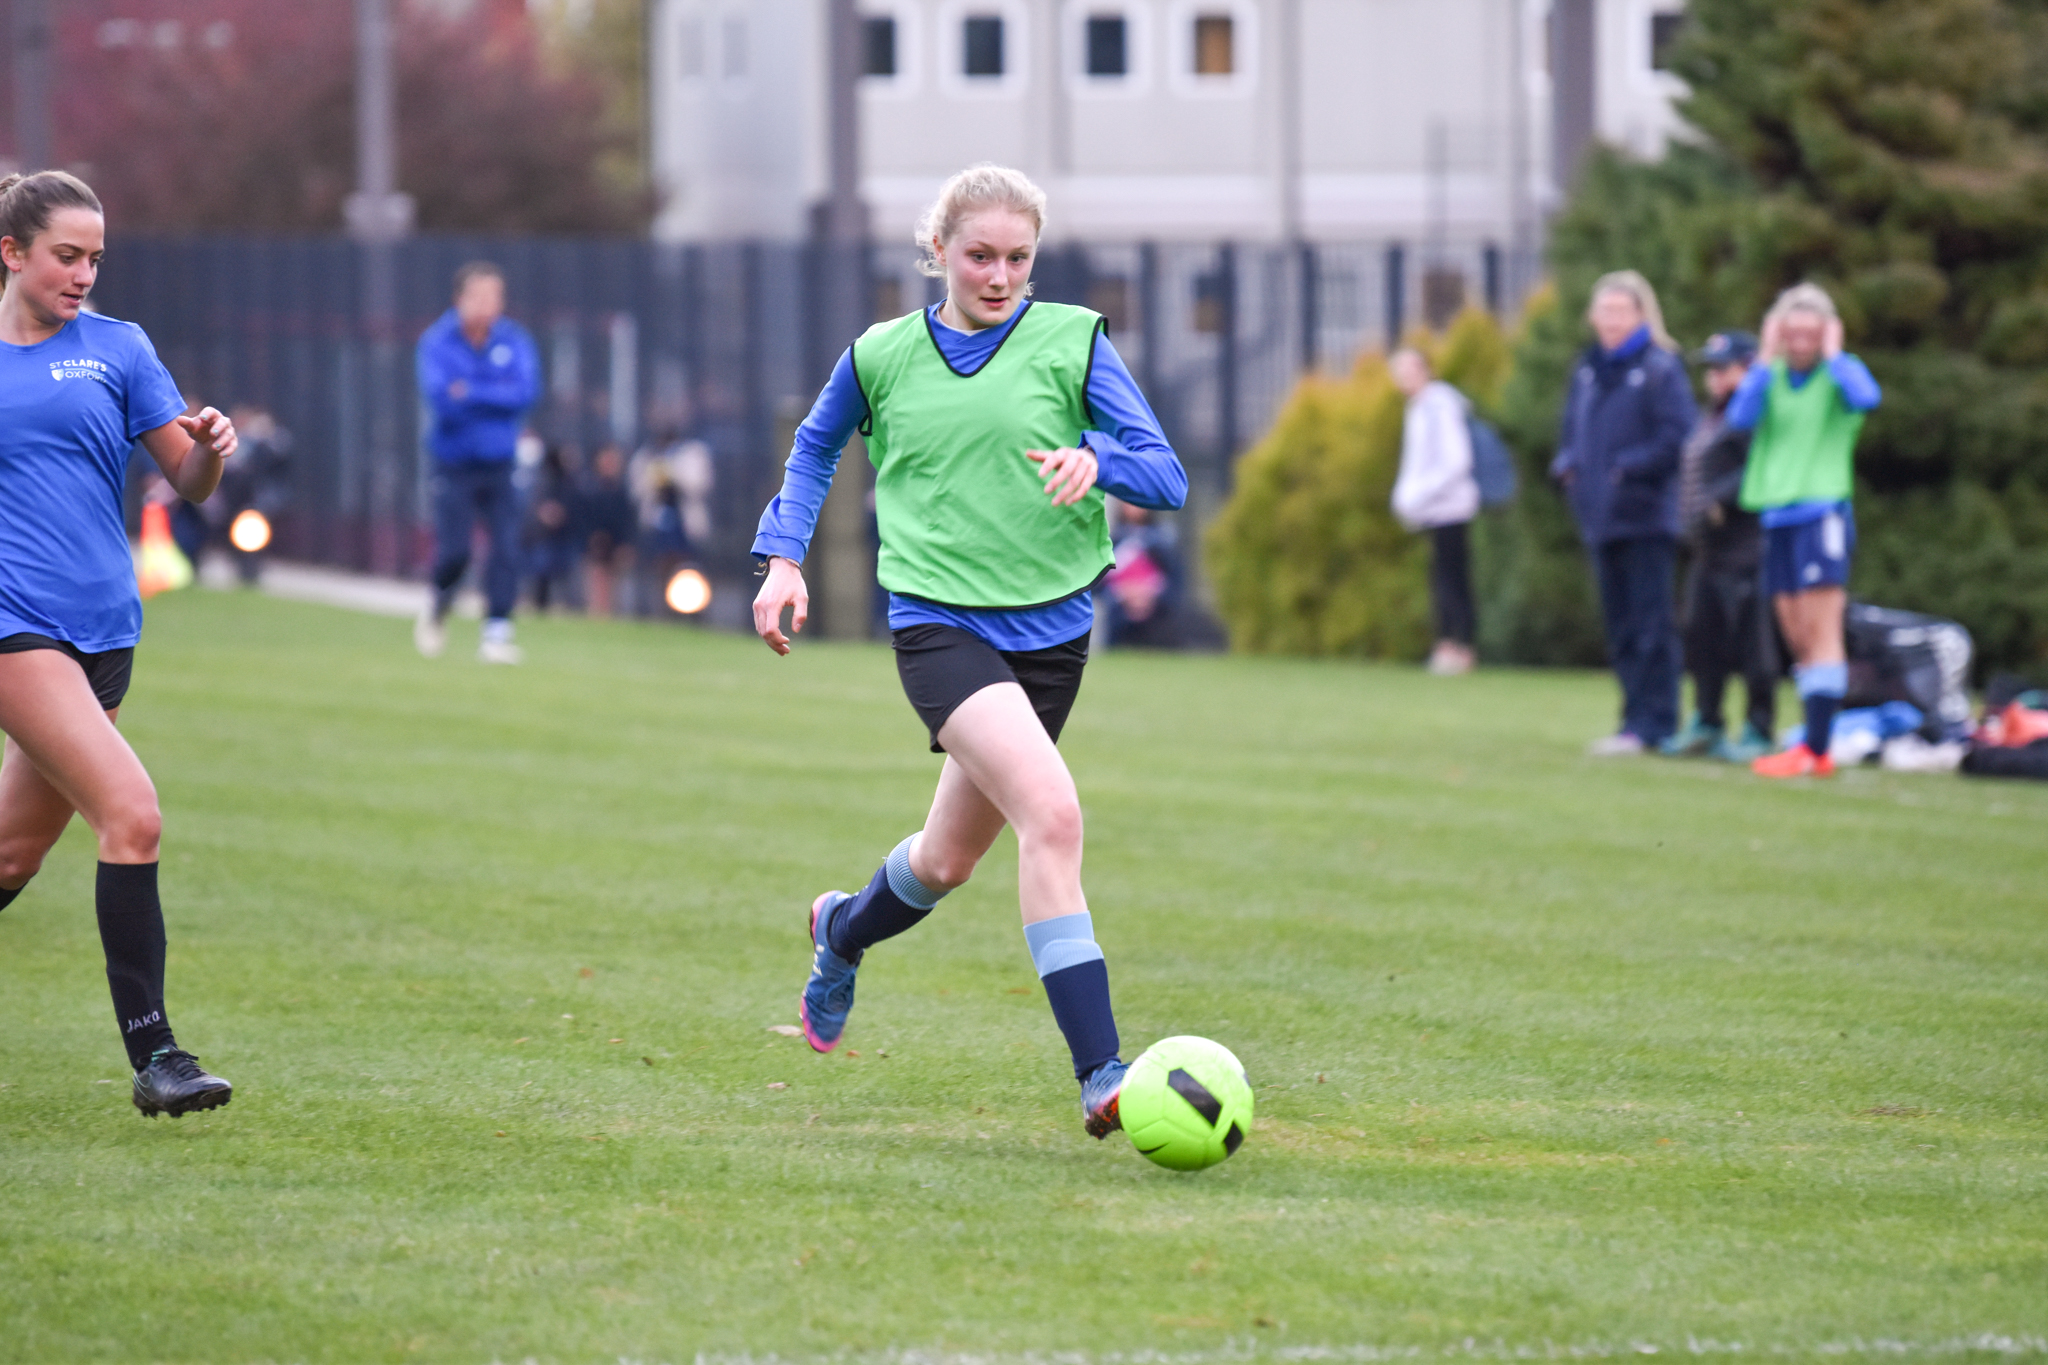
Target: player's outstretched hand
{"points": [[211, 432], [1068, 473], [783, 590]]}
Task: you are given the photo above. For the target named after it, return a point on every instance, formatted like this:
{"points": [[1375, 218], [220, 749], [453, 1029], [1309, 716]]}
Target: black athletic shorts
{"points": [[108, 672], [942, 666]]}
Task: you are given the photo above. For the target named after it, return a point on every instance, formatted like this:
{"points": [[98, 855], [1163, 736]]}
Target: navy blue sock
{"points": [[1821, 689], [1820, 721], [7, 896], [893, 901], [1079, 996], [1076, 983], [132, 933]]}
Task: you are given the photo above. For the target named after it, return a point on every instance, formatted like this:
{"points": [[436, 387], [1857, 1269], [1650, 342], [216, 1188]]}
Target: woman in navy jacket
{"points": [[1626, 416]]}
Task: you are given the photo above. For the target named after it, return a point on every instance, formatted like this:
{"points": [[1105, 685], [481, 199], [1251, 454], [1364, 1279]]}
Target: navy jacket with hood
{"points": [[1626, 417]]}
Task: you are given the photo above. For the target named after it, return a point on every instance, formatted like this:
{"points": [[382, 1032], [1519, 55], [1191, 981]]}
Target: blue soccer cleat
{"points": [[828, 995], [1098, 1099]]}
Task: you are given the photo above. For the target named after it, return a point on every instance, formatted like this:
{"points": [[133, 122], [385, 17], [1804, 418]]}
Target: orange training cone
{"points": [[159, 563]]}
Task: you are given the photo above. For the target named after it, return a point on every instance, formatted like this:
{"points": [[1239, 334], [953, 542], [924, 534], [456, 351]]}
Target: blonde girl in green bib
{"points": [[1805, 398], [996, 427]]}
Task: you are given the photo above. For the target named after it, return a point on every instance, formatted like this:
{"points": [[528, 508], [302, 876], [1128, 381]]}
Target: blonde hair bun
{"points": [[976, 190]]}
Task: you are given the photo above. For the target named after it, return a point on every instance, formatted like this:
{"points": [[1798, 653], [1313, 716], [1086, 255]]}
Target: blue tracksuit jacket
{"points": [[501, 379]]}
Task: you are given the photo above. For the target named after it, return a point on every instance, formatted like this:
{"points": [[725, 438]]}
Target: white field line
{"points": [[1244, 1351]]}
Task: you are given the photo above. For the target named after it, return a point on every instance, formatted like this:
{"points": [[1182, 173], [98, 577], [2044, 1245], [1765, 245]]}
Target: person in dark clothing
{"points": [[1626, 416], [607, 527], [550, 537], [1727, 628]]}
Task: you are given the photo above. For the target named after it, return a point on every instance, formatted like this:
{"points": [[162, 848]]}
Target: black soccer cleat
{"points": [[174, 1083]]}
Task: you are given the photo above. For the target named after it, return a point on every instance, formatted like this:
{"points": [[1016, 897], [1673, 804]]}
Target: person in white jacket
{"points": [[1436, 492]]}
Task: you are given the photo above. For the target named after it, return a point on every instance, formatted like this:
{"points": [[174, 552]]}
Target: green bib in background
{"points": [[1805, 448], [964, 515]]}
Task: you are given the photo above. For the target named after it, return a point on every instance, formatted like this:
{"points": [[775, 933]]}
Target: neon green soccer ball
{"points": [[1186, 1103]]}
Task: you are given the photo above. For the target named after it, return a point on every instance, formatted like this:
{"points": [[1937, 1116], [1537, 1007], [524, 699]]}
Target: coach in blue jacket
{"points": [[479, 373], [1625, 420]]}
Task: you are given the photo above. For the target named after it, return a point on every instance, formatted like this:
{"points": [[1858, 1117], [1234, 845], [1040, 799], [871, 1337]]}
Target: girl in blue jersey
{"points": [[77, 391], [992, 683]]}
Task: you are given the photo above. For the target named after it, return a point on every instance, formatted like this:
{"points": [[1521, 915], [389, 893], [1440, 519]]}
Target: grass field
{"points": [[1551, 1055]]}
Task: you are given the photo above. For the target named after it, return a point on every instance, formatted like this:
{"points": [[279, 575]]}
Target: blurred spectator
{"points": [[1727, 629], [607, 525], [1436, 492], [1626, 416], [665, 544], [1143, 591], [1806, 400], [549, 538], [479, 372]]}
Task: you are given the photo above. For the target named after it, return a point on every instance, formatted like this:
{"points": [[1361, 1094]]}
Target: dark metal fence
{"points": [[723, 343]]}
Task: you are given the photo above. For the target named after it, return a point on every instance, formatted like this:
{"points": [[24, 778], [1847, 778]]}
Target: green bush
{"points": [[1306, 557]]}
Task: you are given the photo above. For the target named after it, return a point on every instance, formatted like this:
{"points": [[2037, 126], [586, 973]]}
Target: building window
{"points": [[1215, 45], [1665, 30], [982, 45], [692, 43], [878, 46], [1108, 38], [734, 66]]}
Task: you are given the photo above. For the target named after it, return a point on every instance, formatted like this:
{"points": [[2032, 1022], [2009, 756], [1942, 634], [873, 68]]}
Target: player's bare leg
{"points": [[56, 727]]}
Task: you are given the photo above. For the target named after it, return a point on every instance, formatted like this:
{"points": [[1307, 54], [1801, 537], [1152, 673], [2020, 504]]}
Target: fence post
{"points": [[1491, 264], [1397, 293], [1227, 357], [1148, 319], [1311, 306]]}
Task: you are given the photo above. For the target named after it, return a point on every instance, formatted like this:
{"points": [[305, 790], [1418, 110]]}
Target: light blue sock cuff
{"points": [[1822, 680], [1057, 944], [904, 882]]}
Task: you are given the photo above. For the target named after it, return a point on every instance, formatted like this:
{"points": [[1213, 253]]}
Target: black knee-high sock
{"points": [[132, 932], [7, 896], [1079, 996]]}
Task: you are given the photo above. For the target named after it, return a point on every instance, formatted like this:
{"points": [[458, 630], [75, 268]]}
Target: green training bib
{"points": [[1805, 448], [964, 515]]}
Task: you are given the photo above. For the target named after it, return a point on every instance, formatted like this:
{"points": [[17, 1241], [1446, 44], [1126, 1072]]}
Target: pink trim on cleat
{"points": [[803, 1012]]}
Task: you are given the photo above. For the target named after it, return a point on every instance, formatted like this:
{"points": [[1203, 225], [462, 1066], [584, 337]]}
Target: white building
{"points": [[1166, 120]]}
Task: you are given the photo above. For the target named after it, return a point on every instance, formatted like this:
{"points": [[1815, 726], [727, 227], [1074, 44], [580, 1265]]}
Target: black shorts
{"points": [[942, 666], [108, 672]]}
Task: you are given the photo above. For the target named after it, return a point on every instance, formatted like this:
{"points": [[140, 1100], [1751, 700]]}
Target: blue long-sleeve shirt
{"points": [[1753, 399], [500, 380], [1134, 462]]}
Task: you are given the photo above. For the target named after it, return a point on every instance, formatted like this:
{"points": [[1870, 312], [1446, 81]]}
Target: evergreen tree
{"points": [[1895, 152]]}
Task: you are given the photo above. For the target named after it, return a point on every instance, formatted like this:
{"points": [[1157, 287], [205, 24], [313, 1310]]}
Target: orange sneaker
{"points": [[1797, 761]]}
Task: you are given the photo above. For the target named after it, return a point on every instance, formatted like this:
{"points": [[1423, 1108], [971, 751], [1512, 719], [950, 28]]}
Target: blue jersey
{"points": [[1133, 463], [500, 381], [71, 409]]}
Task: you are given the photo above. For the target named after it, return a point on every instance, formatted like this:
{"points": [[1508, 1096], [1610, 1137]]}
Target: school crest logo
{"points": [[61, 370]]}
